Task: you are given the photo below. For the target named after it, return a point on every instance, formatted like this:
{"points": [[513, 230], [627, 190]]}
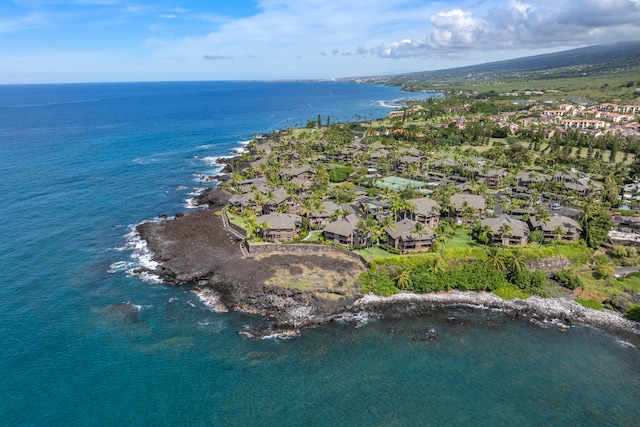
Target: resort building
{"points": [[409, 236], [460, 201], [279, 226], [426, 212], [343, 231], [558, 228], [506, 231]]}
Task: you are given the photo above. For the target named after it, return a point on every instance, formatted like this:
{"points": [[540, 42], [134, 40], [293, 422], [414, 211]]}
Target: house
{"points": [[571, 230], [426, 212], [321, 217], [496, 177], [275, 199], [302, 173], [242, 201], [458, 204], [527, 178], [343, 231], [279, 226], [408, 236], [506, 231], [570, 176], [407, 161], [627, 224]]}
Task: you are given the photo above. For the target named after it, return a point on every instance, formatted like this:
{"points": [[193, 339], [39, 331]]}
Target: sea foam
{"points": [[141, 264]]}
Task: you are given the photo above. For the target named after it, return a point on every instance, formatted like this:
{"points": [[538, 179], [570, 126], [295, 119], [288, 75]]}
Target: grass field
{"points": [[396, 183], [462, 239]]}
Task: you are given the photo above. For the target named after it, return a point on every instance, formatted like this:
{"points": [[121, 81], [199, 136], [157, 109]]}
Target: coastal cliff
{"points": [[292, 290]]}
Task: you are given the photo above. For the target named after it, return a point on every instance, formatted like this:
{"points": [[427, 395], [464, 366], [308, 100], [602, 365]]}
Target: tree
{"points": [[483, 234], [397, 205], [403, 278], [443, 233], [468, 212], [496, 258], [516, 262], [596, 222], [504, 231], [543, 217], [557, 232]]}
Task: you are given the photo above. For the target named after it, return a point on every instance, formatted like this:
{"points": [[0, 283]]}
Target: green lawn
{"points": [[461, 239], [374, 252]]}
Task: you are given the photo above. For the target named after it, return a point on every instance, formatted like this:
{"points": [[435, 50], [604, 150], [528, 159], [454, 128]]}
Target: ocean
{"points": [[84, 342]]}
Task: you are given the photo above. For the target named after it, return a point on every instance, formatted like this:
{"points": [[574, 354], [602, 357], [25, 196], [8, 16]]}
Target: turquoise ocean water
{"points": [[80, 165]]}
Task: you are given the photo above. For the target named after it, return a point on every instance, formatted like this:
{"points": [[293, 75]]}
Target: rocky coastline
{"points": [[197, 250]]}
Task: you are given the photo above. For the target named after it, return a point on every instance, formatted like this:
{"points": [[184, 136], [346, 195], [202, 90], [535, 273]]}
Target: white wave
{"points": [[209, 299], [141, 264], [190, 202], [243, 147], [394, 103], [624, 344], [360, 318], [280, 335]]}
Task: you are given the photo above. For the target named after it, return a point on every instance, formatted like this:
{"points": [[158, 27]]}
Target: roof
{"points": [[280, 221], [474, 200], [328, 208], [342, 227], [297, 171], [426, 206], [405, 230], [567, 224], [518, 228]]}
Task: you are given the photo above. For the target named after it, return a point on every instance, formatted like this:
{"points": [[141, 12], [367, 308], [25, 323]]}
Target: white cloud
{"points": [[456, 29], [518, 25], [31, 20]]}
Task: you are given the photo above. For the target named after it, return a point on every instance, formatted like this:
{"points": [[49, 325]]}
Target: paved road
{"points": [[623, 271]]}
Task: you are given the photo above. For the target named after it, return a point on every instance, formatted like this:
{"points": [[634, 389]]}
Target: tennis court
{"points": [[396, 183]]}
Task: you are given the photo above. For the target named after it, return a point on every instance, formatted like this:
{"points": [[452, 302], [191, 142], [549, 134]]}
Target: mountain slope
{"points": [[592, 60]]}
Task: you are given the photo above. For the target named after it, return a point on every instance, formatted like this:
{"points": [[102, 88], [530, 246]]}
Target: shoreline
{"points": [[563, 310], [221, 281]]}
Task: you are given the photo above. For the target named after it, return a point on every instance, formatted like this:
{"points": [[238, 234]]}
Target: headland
{"points": [[307, 224]]}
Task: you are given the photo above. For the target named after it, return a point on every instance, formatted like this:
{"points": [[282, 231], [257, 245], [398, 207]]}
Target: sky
{"points": [[55, 41]]}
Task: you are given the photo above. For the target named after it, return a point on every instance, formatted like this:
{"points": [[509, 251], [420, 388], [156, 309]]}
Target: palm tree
{"points": [[504, 231], [485, 232], [558, 232], [403, 278], [445, 231], [496, 258], [396, 207], [543, 217], [250, 226], [516, 262], [588, 211], [467, 211], [408, 206]]}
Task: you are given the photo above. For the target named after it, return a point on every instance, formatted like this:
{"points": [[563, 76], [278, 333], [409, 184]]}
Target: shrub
{"points": [[603, 271], [567, 279], [340, 174], [590, 303], [378, 282], [535, 236], [633, 313], [510, 292]]}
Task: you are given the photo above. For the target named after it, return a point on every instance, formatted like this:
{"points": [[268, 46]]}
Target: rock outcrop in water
{"points": [[292, 290]]}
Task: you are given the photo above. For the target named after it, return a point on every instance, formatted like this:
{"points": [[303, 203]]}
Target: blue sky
{"points": [[139, 40]]}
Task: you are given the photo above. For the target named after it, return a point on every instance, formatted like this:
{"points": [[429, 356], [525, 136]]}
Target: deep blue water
{"points": [[82, 164]]}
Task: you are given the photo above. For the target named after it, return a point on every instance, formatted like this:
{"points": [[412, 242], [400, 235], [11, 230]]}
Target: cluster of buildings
{"points": [[597, 120], [412, 227]]}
